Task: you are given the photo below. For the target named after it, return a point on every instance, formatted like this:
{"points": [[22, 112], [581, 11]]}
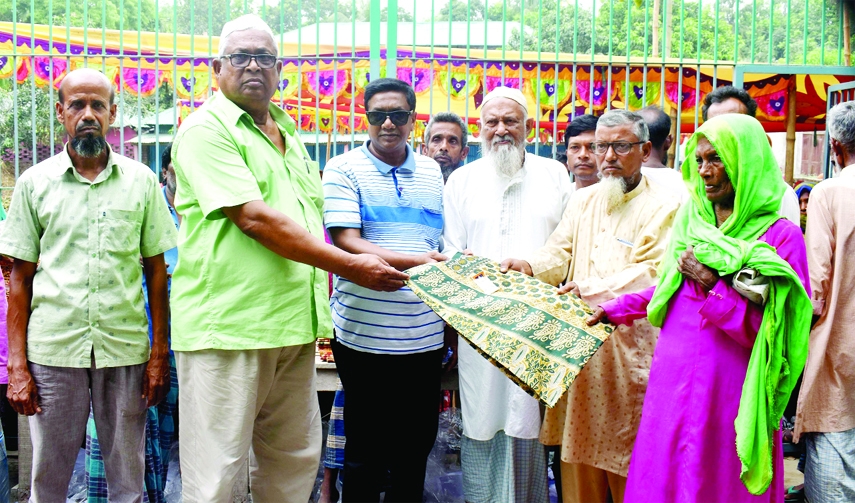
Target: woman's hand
{"points": [[689, 267], [598, 316]]}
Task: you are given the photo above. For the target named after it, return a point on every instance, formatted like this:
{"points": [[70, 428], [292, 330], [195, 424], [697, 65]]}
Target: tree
{"points": [[111, 14], [636, 28], [462, 10]]}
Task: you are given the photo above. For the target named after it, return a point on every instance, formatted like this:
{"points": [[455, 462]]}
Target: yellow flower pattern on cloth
{"points": [[536, 337]]}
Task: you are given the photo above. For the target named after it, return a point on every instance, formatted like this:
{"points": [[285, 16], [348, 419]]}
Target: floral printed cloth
{"points": [[537, 338]]}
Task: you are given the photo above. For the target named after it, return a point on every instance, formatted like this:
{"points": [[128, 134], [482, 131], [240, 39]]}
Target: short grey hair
{"points": [[451, 118], [243, 23], [614, 118], [840, 123]]}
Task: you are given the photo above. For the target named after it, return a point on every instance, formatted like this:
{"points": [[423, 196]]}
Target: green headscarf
{"points": [[780, 349]]}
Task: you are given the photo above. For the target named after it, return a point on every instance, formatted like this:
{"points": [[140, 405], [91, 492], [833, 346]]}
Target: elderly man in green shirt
{"points": [[249, 291], [77, 227]]}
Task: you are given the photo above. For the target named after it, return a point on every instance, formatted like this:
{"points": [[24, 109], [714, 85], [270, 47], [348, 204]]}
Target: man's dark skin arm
{"points": [[22, 392], [351, 240], [281, 235], [156, 381]]}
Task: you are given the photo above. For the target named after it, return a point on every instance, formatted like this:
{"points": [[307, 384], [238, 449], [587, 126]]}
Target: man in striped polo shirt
{"points": [[385, 199]]}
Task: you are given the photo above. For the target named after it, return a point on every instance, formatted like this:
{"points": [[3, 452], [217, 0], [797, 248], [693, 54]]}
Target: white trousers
{"points": [[259, 403]]}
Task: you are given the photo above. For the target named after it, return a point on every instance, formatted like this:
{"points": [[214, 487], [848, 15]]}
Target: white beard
{"points": [[506, 159], [614, 188]]}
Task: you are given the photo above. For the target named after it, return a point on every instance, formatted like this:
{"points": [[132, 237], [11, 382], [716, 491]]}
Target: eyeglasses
{"points": [[242, 59], [620, 147], [378, 118], [576, 148]]}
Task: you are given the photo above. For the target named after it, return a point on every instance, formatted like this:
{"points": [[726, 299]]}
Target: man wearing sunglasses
{"points": [[384, 198], [250, 291], [610, 241]]}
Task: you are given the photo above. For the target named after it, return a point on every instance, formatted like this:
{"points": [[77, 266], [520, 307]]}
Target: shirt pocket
{"points": [[610, 253], [120, 231]]}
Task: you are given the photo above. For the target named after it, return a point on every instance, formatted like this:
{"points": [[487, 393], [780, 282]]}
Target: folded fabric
{"points": [[752, 285], [537, 338]]}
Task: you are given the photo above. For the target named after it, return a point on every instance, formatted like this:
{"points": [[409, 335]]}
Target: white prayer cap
{"points": [[509, 93]]}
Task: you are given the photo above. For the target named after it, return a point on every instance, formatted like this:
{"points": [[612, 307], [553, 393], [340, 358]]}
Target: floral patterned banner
{"points": [[537, 338], [555, 91]]}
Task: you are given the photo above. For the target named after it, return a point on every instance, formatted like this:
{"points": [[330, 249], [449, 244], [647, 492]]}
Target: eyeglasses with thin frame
{"points": [[378, 117], [242, 60], [620, 147], [576, 148]]}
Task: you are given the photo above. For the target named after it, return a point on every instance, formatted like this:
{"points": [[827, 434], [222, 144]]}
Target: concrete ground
{"points": [[792, 476]]}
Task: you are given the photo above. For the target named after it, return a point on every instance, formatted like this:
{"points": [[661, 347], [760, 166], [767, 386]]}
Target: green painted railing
{"points": [[394, 36]]}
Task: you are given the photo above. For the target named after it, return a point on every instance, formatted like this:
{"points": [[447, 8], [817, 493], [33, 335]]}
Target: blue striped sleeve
{"points": [[341, 199]]}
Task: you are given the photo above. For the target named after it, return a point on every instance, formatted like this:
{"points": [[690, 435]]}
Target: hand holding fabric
{"points": [[599, 315], [570, 287], [512, 264]]}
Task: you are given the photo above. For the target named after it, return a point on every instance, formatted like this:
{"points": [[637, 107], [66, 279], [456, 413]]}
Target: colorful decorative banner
{"points": [[441, 81], [537, 338]]}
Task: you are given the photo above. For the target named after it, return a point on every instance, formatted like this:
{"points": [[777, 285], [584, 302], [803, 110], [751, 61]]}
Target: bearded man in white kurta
{"points": [[609, 242], [504, 204]]}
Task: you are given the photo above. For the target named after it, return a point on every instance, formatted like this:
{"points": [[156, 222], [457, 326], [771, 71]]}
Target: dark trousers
{"points": [[391, 412]]}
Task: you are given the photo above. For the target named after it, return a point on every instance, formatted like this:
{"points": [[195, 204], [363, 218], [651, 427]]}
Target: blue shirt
{"points": [[170, 256], [396, 208]]}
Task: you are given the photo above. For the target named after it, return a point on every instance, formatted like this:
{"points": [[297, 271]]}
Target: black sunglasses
{"points": [[378, 118]]}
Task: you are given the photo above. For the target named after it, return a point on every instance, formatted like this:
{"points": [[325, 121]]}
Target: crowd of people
{"points": [[719, 300]]}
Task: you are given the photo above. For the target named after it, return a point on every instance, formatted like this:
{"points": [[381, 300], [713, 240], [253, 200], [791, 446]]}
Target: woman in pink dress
{"points": [[709, 430]]}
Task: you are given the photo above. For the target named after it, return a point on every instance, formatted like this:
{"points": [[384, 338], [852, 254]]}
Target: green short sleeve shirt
{"points": [[229, 291], [87, 238]]}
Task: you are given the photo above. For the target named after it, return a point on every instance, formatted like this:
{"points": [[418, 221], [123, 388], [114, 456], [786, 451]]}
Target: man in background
{"points": [[446, 141], [581, 161], [826, 411], [655, 168]]}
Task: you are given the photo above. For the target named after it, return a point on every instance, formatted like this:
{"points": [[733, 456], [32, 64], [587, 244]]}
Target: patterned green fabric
{"points": [[537, 338]]}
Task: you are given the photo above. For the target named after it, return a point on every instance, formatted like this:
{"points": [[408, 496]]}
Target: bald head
{"points": [[86, 77], [659, 126]]}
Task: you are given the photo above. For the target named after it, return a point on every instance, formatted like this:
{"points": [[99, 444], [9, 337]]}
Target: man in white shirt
{"points": [[655, 168], [505, 204], [731, 100]]}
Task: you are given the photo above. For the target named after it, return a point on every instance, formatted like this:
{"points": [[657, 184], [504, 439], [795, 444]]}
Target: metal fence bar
{"points": [[616, 44]]}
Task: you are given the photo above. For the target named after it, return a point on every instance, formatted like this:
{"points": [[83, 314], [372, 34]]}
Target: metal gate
{"points": [[836, 94]]}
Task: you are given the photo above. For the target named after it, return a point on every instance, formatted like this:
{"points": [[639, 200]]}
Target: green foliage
{"points": [[461, 10], [111, 14], [23, 102], [714, 20]]}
